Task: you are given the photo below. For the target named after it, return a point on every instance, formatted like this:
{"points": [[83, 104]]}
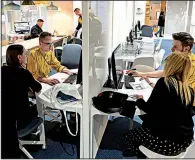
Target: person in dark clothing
{"points": [[167, 127], [37, 29], [161, 23], [77, 11], [95, 28], [15, 110]]}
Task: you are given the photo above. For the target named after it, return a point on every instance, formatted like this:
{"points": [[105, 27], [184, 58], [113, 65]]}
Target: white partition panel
{"points": [[99, 52], [85, 70], [122, 21], [176, 17]]}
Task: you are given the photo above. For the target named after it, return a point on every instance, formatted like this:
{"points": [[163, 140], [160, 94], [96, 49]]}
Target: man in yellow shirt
{"points": [[40, 60], [182, 42]]}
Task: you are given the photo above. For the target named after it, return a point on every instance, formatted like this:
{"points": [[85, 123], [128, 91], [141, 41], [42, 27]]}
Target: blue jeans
{"points": [[159, 31]]}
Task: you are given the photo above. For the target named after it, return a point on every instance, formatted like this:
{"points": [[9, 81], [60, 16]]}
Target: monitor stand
{"points": [[109, 82]]}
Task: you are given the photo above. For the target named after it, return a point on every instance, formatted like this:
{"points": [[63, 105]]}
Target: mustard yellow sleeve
{"points": [[31, 66], [57, 66]]}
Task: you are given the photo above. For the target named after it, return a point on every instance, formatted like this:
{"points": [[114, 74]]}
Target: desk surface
{"points": [[145, 92], [46, 101]]}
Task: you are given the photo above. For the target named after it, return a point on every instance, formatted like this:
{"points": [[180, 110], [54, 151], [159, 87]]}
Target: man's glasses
{"points": [[50, 44]]}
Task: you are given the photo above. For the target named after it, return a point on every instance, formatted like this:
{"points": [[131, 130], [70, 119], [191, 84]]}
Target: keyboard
{"points": [[127, 80], [71, 79]]}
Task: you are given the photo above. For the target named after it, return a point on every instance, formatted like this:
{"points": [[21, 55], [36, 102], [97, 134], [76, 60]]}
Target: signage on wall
{"points": [[139, 11]]}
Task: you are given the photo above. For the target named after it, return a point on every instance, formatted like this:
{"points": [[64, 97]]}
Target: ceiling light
{"points": [[52, 7], [28, 2], [12, 6]]}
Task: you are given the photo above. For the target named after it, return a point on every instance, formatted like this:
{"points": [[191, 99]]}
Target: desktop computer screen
{"points": [[136, 31], [131, 36], [80, 74], [21, 27], [116, 75]]}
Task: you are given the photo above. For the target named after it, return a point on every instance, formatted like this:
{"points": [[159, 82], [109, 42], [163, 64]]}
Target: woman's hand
{"points": [[139, 97], [23, 65], [134, 73], [148, 81]]}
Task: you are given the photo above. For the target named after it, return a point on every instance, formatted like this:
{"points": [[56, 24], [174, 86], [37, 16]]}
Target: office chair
{"points": [[147, 31], [71, 55], [29, 129], [147, 61], [77, 41], [58, 50], [159, 58], [144, 68], [151, 154]]}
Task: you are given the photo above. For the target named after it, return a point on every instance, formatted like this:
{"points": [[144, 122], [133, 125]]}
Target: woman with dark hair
{"points": [[161, 23], [16, 112]]}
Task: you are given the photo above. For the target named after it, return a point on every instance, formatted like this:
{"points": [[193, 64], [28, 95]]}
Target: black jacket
{"points": [[35, 31], [161, 21], [14, 107], [79, 26], [166, 115], [15, 86]]}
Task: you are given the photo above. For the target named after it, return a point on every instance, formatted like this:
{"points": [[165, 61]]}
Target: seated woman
{"points": [[16, 112], [167, 126]]}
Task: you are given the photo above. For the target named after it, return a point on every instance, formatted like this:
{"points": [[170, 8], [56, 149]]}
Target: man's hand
{"points": [[139, 97], [135, 73], [50, 81], [67, 71]]}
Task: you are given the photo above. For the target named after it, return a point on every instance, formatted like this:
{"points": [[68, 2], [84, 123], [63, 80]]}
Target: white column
{"points": [[85, 60]]}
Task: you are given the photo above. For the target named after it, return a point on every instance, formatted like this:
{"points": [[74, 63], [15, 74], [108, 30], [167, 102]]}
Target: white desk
{"points": [[98, 123], [28, 44], [43, 102]]}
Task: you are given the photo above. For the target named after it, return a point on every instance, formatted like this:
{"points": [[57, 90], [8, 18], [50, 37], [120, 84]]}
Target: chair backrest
{"points": [[143, 26], [77, 41], [190, 151], [144, 68], [159, 57], [71, 56], [147, 31], [148, 61]]}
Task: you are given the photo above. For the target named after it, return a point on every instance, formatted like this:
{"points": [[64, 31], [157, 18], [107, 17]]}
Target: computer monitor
{"points": [[136, 31], [21, 27], [139, 25], [116, 75], [131, 36], [80, 74]]}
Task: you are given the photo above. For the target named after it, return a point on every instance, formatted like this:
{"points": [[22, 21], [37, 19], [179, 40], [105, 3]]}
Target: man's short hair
{"points": [[43, 35], [40, 20], [185, 38], [76, 9]]}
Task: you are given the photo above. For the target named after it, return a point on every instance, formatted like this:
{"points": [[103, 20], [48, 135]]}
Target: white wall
{"points": [[140, 17], [122, 21], [76, 4]]}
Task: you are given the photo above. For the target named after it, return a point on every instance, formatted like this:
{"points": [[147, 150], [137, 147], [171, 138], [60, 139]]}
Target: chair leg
{"points": [[25, 151], [131, 124]]}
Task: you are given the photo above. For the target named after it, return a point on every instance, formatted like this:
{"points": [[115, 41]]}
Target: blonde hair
{"points": [[176, 73]]}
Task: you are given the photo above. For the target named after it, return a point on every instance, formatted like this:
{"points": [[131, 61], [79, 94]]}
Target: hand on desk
{"points": [[135, 73], [50, 81], [67, 71], [148, 81], [139, 97]]}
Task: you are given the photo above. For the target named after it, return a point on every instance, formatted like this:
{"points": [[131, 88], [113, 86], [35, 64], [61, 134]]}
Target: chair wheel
{"points": [[44, 146]]}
